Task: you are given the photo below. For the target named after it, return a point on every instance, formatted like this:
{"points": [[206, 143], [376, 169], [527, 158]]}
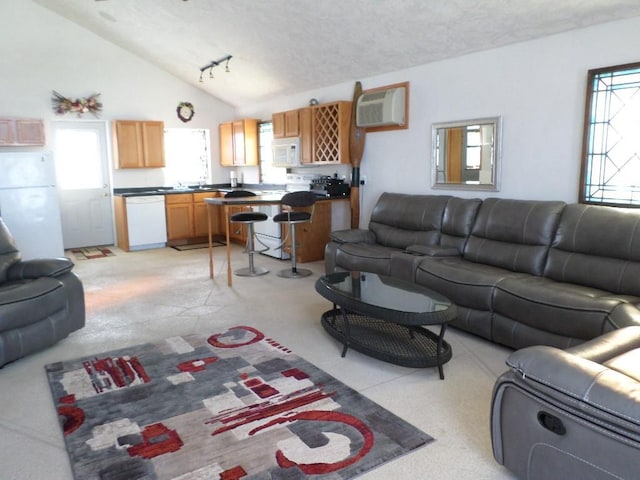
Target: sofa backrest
{"points": [[8, 251], [514, 234], [599, 247], [400, 220], [457, 221]]}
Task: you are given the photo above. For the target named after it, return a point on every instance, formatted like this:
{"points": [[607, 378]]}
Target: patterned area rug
{"points": [[232, 405], [90, 253]]}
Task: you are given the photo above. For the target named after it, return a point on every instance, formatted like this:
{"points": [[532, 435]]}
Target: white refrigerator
{"points": [[29, 203]]}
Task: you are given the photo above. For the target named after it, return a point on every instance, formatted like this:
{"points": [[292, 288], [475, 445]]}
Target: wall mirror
{"points": [[466, 154]]}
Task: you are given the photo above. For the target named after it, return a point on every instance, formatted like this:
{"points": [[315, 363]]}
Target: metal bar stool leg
{"points": [[251, 271], [294, 271]]}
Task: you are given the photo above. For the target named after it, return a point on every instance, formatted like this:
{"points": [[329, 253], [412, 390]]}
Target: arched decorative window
{"points": [[610, 173]]}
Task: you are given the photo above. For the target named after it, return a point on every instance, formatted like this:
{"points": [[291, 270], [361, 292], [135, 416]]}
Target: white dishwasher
{"points": [[146, 222]]}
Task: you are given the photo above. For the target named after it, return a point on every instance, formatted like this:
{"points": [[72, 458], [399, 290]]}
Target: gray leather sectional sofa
{"points": [[522, 272], [41, 301], [561, 283]]}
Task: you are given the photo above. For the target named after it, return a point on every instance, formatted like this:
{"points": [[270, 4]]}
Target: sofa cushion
{"points": [[465, 283], [399, 220], [597, 247], [353, 236], [8, 251], [457, 221], [364, 257], [513, 234], [566, 309], [40, 298]]}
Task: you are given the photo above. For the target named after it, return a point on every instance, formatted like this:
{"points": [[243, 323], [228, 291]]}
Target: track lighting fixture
{"points": [[214, 63]]}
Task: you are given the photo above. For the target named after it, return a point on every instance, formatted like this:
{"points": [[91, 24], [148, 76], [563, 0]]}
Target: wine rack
{"points": [[330, 132]]}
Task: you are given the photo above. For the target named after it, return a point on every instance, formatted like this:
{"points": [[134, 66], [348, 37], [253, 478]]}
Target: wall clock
{"points": [[185, 111]]}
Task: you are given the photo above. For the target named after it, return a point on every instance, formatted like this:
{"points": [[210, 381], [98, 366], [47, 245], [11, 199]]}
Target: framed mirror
{"points": [[466, 154]]}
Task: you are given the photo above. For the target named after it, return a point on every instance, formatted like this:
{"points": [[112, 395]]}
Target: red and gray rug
{"points": [[231, 405]]}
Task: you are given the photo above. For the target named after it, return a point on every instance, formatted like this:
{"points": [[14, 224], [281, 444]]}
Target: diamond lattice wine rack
{"points": [[330, 124]]}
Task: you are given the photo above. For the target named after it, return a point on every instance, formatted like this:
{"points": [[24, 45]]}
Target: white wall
{"points": [[41, 52], [537, 87]]}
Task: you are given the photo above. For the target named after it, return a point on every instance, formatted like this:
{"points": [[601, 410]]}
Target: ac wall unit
{"points": [[381, 108]]}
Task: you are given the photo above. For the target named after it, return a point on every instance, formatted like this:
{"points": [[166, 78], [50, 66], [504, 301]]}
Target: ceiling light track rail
{"points": [[214, 63]]}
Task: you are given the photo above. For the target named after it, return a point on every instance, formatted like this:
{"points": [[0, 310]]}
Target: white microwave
{"points": [[286, 152]]}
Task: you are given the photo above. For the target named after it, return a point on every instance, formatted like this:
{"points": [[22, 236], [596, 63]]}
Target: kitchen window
{"points": [[610, 173], [187, 156]]}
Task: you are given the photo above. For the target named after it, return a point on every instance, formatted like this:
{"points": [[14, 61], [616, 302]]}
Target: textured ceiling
{"points": [[288, 46]]}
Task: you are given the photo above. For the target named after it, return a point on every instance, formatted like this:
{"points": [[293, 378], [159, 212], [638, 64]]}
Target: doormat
{"points": [[91, 253], [198, 246], [229, 405]]}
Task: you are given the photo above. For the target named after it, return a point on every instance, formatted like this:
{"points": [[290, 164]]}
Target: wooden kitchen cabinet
{"points": [[239, 143], [200, 213], [323, 131], [180, 219], [138, 144], [286, 124], [21, 132], [306, 142], [330, 123], [312, 237], [187, 220]]}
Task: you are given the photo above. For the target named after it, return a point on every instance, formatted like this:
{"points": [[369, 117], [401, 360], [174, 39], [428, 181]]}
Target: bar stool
{"points": [[248, 218], [292, 218]]}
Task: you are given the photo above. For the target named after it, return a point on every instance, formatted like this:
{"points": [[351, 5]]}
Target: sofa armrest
{"points": [[353, 236], [432, 251], [41, 267], [589, 386]]}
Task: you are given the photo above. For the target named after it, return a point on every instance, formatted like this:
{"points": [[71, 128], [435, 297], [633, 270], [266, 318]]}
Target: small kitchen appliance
{"points": [[331, 187]]}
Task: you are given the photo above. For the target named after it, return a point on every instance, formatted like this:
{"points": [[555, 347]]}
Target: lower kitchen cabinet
{"points": [[312, 237], [187, 220], [201, 212], [180, 221]]}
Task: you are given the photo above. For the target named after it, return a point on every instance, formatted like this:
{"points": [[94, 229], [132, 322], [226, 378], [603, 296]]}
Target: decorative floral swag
{"points": [[62, 105]]}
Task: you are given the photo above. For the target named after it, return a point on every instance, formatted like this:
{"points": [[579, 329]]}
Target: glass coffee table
{"points": [[386, 318]]}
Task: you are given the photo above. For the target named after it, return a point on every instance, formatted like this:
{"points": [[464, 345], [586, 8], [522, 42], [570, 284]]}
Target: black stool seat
{"points": [[248, 217]]}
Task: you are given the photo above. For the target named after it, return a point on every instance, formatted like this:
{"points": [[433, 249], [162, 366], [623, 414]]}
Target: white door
{"points": [[82, 170]]}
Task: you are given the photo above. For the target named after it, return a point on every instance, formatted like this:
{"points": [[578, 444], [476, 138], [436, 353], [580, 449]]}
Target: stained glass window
{"points": [[611, 160]]}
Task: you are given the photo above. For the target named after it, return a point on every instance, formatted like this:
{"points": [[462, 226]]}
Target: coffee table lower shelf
{"points": [[415, 347]]}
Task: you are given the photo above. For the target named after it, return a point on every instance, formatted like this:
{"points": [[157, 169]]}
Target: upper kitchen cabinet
{"points": [[21, 132], [286, 124], [138, 144], [239, 143], [330, 124]]}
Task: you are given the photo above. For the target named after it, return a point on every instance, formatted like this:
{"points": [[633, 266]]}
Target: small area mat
{"points": [[90, 253], [228, 405], [197, 246]]}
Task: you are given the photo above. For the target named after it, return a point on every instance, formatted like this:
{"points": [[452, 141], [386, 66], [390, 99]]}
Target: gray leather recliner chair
{"points": [[571, 413], [41, 301]]}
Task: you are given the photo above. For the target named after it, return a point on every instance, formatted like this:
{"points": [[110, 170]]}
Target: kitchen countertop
{"points": [[145, 191], [259, 189]]}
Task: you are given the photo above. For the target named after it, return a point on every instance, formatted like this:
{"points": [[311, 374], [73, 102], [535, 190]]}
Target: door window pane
{"points": [[78, 161]]}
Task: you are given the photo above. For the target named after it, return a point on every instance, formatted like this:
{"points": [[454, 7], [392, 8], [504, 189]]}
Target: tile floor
{"points": [[149, 295]]}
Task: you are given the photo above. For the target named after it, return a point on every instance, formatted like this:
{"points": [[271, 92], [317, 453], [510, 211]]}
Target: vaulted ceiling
{"points": [[288, 46]]}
